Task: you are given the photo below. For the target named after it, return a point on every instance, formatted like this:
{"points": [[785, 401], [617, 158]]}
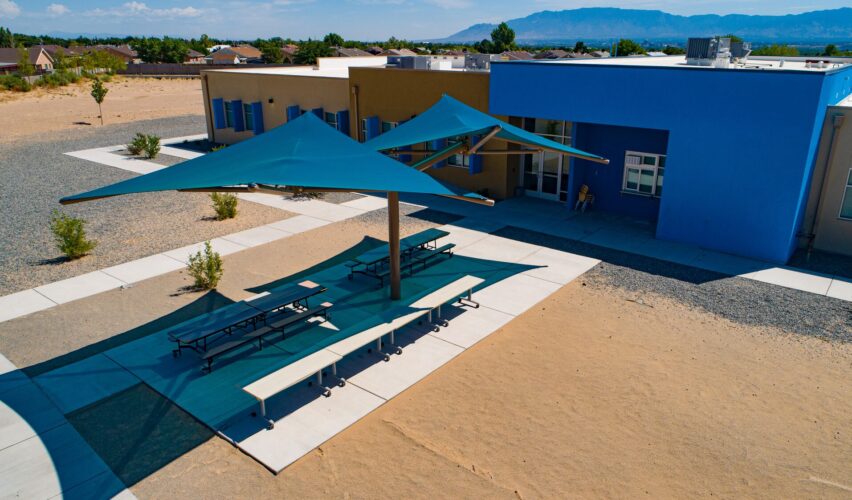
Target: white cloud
{"points": [[9, 9], [137, 9], [451, 4], [57, 9]]}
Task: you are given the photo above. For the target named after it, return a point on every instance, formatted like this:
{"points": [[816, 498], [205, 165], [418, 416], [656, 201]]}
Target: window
{"points": [[846, 204], [249, 116], [331, 119], [362, 134], [388, 126], [643, 173], [229, 115], [458, 159]]}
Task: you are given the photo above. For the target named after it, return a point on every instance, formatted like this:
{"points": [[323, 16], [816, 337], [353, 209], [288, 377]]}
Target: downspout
{"points": [[208, 110], [836, 123], [356, 114]]}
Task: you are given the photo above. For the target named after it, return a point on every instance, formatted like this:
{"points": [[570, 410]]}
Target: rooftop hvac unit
{"points": [[715, 52]]}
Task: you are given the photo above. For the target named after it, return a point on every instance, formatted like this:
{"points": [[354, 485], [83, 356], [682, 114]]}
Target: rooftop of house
{"points": [[351, 52], [12, 55], [811, 64], [246, 51]]}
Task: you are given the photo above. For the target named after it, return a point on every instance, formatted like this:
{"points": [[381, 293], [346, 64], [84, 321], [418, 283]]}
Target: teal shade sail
{"points": [[450, 117], [304, 153]]}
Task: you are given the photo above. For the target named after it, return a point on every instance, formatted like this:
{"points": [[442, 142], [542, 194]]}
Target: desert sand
{"points": [[589, 394], [129, 99]]}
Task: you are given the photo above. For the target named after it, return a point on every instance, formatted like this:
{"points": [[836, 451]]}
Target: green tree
{"points": [[503, 38], [148, 49], [776, 50], [7, 41], [24, 66], [271, 51], [734, 38], [98, 94], [333, 40], [60, 60], [311, 50], [173, 50], [629, 47], [831, 50], [580, 47], [671, 50]]}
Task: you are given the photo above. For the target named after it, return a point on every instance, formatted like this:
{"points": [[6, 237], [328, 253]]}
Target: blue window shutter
{"points": [[372, 127], [438, 145], [343, 121], [475, 160], [319, 112], [239, 116], [293, 112], [405, 158], [218, 106], [257, 116]]}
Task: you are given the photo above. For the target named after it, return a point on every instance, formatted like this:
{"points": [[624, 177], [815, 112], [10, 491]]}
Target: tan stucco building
{"points": [[396, 95], [828, 218]]}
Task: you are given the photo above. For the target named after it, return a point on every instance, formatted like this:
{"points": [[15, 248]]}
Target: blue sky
{"points": [[354, 19]]}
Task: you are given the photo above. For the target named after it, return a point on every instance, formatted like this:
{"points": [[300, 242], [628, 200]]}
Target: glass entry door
{"points": [[545, 175]]}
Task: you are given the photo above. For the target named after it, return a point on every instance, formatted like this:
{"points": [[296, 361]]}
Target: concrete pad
{"points": [[299, 224], [367, 203], [22, 303], [180, 153], [421, 355], [791, 278], [6, 366], [144, 268], [321, 209], [500, 249], [78, 287], [626, 241], [515, 294], [10, 376], [467, 326], [24, 413], [462, 236], [731, 265], [270, 200], [48, 464], [104, 485], [309, 426], [670, 251], [257, 236], [82, 383], [840, 289], [105, 157], [223, 246], [487, 225], [559, 267], [184, 138]]}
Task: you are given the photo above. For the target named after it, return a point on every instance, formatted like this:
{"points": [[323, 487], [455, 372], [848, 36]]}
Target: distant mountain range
{"points": [[604, 23]]}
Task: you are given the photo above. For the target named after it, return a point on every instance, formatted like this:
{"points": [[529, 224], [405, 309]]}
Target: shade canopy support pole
{"points": [[393, 243]]}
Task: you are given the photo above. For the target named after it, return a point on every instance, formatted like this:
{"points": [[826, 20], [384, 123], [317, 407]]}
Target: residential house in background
{"points": [[37, 56], [516, 55], [553, 54], [242, 54], [349, 52], [289, 52], [399, 52], [222, 57], [195, 57]]}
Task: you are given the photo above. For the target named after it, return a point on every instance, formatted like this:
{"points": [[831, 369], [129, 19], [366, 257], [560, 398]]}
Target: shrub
{"points": [[70, 235], [59, 78], [137, 145], [308, 195], [225, 205], [16, 83], [152, 146], [218, 148], [206, 268]]}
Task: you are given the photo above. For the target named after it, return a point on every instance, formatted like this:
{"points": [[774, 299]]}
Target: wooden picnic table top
{"points": [[213, 322]]}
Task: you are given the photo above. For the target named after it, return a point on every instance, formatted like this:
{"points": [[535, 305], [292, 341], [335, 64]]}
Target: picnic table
{"points": [[199, 333], [370, 262]]}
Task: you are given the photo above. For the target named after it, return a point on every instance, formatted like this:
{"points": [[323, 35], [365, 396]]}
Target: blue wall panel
{"points": [[605, 181], [218, 105], [239, 115], [740, 147]]}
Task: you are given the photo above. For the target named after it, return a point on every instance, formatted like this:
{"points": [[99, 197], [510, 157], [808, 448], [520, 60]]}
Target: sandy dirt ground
{"points": [[129, 99], [587, 395]]}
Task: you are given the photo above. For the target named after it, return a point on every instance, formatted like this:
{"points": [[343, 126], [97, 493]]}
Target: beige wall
{"points": [[830, 233], [308, 92], [396, 95]]}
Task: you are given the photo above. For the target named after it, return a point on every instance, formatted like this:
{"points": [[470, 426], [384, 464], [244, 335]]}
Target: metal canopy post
{"points": [[393, 243]]}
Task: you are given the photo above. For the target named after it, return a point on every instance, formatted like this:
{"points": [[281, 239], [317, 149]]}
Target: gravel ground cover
{"points": [[35, 174], [737, 299]]}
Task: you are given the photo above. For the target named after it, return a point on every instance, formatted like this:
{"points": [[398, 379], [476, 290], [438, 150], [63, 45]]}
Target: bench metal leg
{"points": [[326, 391], [381, 354], [396, 348], [340, 380], [468, 301]]}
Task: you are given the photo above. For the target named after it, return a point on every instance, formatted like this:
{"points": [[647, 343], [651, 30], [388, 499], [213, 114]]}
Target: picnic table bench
{"points": [[455, 290]]}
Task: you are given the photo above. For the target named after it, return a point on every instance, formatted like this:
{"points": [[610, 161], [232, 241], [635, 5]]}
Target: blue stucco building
{"points": [[735, 147]]}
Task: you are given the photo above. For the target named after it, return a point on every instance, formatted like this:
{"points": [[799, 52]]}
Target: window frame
{"points": [[847, 191], [332, 123], [229, 114], [656, 185], [248, 116]]}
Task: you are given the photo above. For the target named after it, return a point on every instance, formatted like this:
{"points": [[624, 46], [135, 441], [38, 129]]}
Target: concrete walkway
{"points": [[41, 454]]}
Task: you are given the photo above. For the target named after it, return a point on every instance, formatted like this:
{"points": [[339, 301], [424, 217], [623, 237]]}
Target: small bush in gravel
{"points": [[218, 148], [225, 205], [137, 145], [152, 146], [308, 195], [70, 234], [206, 268]]}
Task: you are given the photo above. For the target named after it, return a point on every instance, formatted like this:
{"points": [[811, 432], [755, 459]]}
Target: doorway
{"points": [[545, 175]]}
